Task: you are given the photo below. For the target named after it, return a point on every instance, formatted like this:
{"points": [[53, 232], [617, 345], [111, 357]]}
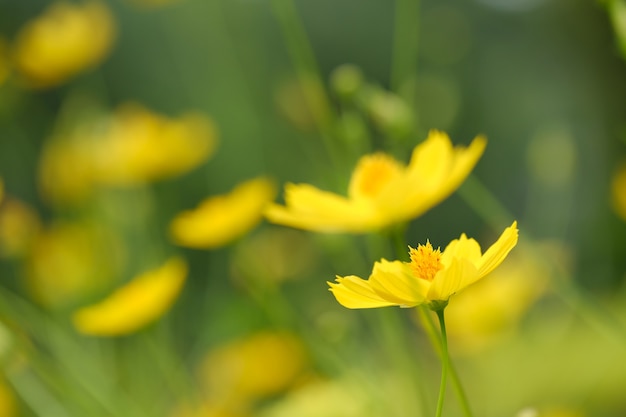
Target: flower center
{"points": [[372, 173], [425, 261]]}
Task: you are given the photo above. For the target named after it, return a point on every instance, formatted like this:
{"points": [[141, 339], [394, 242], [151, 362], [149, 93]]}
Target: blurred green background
{"points": [[544, 80]]}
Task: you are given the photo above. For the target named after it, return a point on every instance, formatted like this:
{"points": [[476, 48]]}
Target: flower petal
{"points": [[310, 208], [458, 275], [462, 247], [355, 292], [395, 282], [499, 250], [136, 304]]}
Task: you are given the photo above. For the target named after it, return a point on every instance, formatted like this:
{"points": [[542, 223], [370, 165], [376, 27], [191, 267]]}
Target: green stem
{"points": [[307, 70], [431, 331], [445, 360], [404, 59]]}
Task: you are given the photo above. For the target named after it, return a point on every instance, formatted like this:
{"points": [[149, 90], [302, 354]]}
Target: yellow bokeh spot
{"points": [[261, 365], [64, 41], [425, 261], [135, 305], [19, 225]]}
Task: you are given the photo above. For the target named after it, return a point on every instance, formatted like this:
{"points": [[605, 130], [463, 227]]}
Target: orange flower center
{"points": [[425, 261], [373, 172]]}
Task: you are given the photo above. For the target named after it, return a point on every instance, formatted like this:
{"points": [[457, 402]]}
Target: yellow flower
{"points": [[431, 277], [488, 311], [67, 39], [221, 219], [140, 146], [135, 305], [382, 191], [260, 365], [67, 262], [19, 226]]}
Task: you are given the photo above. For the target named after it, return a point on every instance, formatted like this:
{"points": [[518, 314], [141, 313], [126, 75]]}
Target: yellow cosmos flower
{"points": [[221, 219], [135, 305], [382, 191], [140, 146], [67, 39], [431, 277]]}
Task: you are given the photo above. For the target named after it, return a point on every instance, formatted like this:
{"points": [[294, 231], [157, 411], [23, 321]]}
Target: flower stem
{"points": [[444, 362], [431, 331]]}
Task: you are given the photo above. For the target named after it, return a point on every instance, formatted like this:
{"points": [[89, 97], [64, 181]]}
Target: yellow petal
{"points": [[135, 305], [310, 208], [452, 279], [462, 247], [394, 282], [436, 171], [354, 292], [221, 219], [431, 160], [499, 250]]}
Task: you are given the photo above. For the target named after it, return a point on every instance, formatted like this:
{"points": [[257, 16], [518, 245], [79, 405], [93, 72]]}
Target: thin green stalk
{"points": [[445, 360], [308, 73], [431, 331], [404, 59]]}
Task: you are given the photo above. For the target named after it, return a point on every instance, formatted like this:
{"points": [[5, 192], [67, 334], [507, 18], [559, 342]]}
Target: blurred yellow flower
{"points": [[132, 147], [4, 61], [261, 365], [65, 40], [382, 191], [221, 219], [19, 226], [66, 169], [8, 403], [138, 303], [140, 146], [489, 309], [618, 191], [431, 277], [70, 261]]}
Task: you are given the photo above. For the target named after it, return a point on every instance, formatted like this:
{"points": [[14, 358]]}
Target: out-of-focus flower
{"points": [[431, 277], [140, 146], [489, 309], [1, 189], [4, 61], [70, 261], [19, 226], [618, 191], [382, 191], [274, 255], [221, 219], [261, 365], [8, 404], [138, 303], [550, 412], [342, 397], [65, 40], [132, 147], [66, 169]]}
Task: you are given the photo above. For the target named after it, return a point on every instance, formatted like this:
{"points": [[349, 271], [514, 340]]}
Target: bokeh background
{"points": [[297, 91]]}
